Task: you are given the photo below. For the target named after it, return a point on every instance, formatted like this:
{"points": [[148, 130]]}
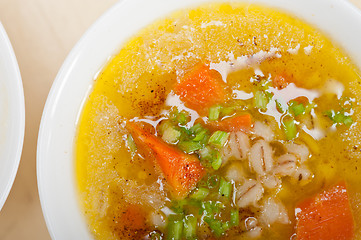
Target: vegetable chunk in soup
{"points": [[227, 121]]}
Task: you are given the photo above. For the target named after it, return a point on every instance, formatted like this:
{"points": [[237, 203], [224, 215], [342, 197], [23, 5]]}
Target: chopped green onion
{"points": [[218, 138], [207, 208], [290, 129], [190, 227], [180, 117], [225, 188], [330, 114], [189, 146], [233, 106], [339, 117], [296, 108], [131, 144], [210, 208], [226, 226], [170, 134], [175, 227], [260, 100], [206, 153], [216, 161], [226, 111], [214, 112], [215, 225], [347, 121], [269, 95], [265, 84], [234, 217], [309, 107], [200, 194], [196, 128], [177, 206], [201, 136], [195, 203], [185, 132], [212, 181]]}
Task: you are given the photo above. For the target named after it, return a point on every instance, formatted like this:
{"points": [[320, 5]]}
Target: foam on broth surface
{"points": [[137, 81]]}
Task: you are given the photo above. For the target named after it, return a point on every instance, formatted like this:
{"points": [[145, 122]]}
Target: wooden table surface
{"points": [[42, 33]]}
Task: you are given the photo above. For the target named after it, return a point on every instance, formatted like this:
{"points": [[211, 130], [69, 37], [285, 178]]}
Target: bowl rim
{"points": [[62, 79], [17, 115]]}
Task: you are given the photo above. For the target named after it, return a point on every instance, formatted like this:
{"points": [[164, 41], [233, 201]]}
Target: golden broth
{"points": [[137, 81]]}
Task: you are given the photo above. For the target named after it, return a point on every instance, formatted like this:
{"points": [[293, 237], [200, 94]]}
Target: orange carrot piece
{"points": [[133, 217], [201, 88], [280, 81], [302, 99], [182, 171], [233, 124], [327, 216]]}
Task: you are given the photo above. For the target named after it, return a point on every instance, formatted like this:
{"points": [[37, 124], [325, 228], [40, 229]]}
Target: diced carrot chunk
{"points": [[201, 88], [280, 81], [302, 99], [133, 217], [233, 124], [182, 171], [327, 216]]}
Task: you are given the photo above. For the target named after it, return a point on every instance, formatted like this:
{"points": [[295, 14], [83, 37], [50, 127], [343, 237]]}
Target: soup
{"points": [[227, 121]]}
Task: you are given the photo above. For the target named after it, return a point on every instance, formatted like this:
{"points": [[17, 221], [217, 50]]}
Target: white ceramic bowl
{"points": [[55, 163], [12, 116]]}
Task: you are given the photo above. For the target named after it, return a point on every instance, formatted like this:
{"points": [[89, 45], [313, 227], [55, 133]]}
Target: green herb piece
{"points": [[260, 100], [216, 161], [212, 181], [210, 208], [330, 114], [207, 208], [226, 226], [214, 112], [269, 95], [216, 226], [339, 117], [226, 111], [131, 144], [234, 217], [218, 138], [309, 107], [190, 227], [185, 133], [265, 84], [189, 146], [201, 136], [206, 153], [177, 206], [196, 128], [170, 134], [200, 194], [348, 121], [225, 188], [175, 227], [181, 118], [289, 128], [296, 108], [233, 106]]}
